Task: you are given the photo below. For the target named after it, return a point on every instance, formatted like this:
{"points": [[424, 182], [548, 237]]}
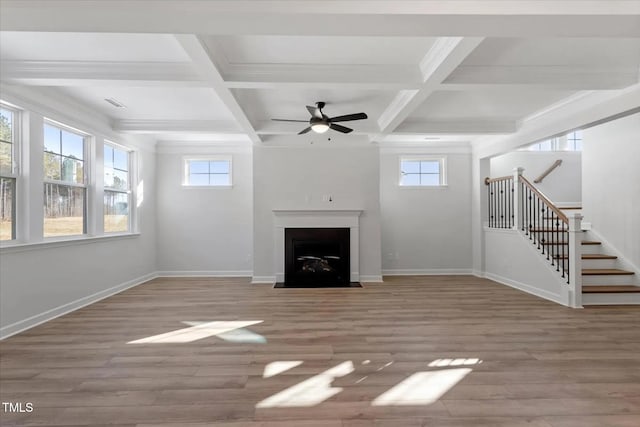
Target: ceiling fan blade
{"points": [[349, 117], [314, 111], [287, 120], [340, 128], [304, 130]]}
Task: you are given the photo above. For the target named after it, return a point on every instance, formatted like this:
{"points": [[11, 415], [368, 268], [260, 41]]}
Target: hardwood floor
{"points": [[414, 351]]}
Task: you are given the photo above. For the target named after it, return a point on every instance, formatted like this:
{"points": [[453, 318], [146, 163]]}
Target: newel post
{"points": [[517, 199], [575, 260]]}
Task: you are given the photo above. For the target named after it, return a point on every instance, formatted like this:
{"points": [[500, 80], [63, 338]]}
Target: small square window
{"points": [[422, 172], [207, 172]]}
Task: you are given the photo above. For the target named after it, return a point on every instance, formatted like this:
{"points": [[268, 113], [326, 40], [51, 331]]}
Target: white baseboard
{"points": [[30, 322], [371, 279], [557, 298], [428, 272], [478, 273], [259, 280], [195, 273]]}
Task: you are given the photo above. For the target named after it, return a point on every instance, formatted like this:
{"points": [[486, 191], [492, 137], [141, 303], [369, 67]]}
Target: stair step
{"points": [[603, 289], [584, 242], [590, 256], [605, 272]]}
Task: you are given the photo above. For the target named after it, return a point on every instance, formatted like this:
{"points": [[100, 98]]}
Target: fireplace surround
{"points": [[316, 257], [314, 218]]}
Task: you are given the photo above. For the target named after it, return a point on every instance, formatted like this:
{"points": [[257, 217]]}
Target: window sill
{"points": [[206, 187], [57, 242], [423, 187]]}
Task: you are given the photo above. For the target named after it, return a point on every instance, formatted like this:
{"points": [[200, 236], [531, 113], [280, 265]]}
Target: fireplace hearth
{"points": [[316, 257]]}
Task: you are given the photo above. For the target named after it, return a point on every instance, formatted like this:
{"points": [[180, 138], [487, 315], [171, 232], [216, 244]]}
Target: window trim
{"points": [[209, 158], [442, 160]]}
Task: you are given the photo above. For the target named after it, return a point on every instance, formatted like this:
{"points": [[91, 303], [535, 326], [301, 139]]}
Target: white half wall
{"points": [[562, 186], [611, 183], [204, 231], [512, 260], [305, 176], [426, 230]]}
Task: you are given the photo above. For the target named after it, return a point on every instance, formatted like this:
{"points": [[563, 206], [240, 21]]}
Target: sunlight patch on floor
{"points": [[275, 368], [454, 362], [421, 388], [197, 331], [309, 392]]}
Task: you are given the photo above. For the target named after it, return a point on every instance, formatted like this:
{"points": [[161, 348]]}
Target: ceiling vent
{"points": [[114, 103]]}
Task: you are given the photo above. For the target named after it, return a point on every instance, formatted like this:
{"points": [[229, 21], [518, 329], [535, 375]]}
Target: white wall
{"points": [[426, 230], [562, 186], [41, 281], [611, 184], [204, 231], [296, 177], [512, 260]]}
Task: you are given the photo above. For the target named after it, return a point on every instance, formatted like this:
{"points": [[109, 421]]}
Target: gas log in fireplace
{"points": [[316, 257]]}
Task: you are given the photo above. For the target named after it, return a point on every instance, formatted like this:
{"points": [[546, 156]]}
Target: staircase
{"points": [[594, 276], [603, 281]]}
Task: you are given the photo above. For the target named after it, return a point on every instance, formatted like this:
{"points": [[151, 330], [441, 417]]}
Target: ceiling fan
{"points": [[320, 122]]}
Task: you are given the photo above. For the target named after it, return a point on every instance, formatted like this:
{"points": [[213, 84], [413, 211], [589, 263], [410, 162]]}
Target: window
{"points": [[117, 189], [207, 172], [422, 172], [574, 141], [7, 173], [65, 192], [548, 145]]}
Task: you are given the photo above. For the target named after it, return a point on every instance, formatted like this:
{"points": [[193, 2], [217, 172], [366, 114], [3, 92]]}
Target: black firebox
{"points": [[316, 257]]}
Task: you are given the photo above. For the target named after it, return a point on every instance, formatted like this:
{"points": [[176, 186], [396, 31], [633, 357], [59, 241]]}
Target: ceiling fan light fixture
{"points": [[320, 127]]}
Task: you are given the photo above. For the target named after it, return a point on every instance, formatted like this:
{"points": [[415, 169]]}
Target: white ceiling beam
{"points": [[457, 127], [445, 55], [176, 126], [491, 18], [206, 67], [555, 76], [105, 73]]}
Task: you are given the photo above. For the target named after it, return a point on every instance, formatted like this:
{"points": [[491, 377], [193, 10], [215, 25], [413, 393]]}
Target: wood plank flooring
{"points": [[356, 358]]}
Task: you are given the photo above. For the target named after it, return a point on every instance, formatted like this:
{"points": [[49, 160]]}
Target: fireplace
{"points": [[317, 256]]}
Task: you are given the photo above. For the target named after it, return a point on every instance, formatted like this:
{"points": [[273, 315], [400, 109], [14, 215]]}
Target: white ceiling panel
{"points": [[266, 104], [322, 50], [586, 52], [496, 103], [156, 103], [90, 47]]}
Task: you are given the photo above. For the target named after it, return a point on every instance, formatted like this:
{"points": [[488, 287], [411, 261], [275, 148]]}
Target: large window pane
{"points": [[6, 141], [430, 166], [199, 179], [64, 208], [410, 179], [52, 139], [429, 179], [116, 212], [72, 145], [120, 159], [219, 179], [52, 166], [7, 208], [6, 157], [219, 167], [198, 167], [410, 166]]}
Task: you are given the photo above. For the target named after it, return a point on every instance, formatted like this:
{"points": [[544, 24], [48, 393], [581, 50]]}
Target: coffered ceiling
{"points": [[220, 70]]}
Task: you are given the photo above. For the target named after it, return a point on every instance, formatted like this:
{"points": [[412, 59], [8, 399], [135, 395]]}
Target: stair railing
{"points": [[501, 197], [513, 202], [545, 225], [544, 174]]}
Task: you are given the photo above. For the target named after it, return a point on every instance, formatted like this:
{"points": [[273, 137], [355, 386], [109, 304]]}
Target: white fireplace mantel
{"points": [[317, 218]]}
